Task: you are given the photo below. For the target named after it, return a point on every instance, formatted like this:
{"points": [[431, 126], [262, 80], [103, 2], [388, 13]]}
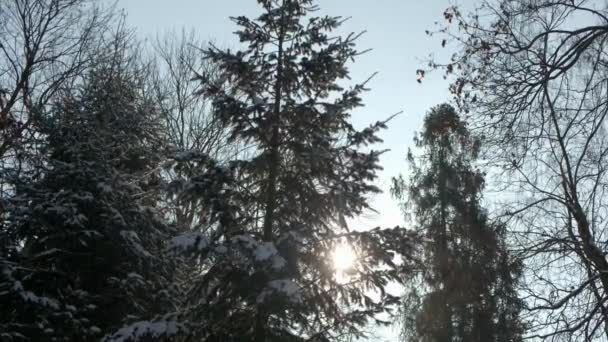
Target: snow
{"points": [[142, 329], [247, 240], [117, 217], [84, 196], [292, 235], [188, 155], [278, 262], [262, 251], [265, 251], [285, 287], [31, 297], [221, 249], [136, 278], [134, 275], [47, 253], [133, 239], [57, 209], [104, 187], [257, 100], [189, 242], [77, 220]]}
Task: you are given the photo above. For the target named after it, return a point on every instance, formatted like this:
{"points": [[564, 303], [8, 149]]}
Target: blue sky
{"points": [[396, 35]]}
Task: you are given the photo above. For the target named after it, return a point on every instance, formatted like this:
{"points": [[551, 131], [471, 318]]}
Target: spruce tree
{"points": [[267, 273], [467, 288], [85, 240]]}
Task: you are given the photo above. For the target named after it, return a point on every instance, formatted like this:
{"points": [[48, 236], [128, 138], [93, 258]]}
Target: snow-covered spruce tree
{"points": [[467, 285], [86, 240], [268, 274]]}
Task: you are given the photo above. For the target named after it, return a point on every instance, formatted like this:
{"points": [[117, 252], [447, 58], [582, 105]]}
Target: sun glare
{"points": [[343, 257]]}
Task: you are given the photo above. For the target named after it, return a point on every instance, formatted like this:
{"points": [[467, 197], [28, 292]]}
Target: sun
{"points": [[343, 257]]}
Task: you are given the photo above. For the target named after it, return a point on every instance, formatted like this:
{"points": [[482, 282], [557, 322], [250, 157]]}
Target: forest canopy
{"points": [[175, 189]]}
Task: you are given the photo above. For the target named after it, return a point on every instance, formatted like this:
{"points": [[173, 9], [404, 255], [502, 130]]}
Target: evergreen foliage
{"points": [[268, 271], [468, 279], [85, 242], [202, 195]]}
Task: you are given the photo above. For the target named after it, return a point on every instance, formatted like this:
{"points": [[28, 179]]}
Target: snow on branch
{"points": [[145, 329]]}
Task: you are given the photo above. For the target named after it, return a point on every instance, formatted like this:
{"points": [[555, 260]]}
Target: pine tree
{"points": [[86, 242], [266, 271], [468, 278]]}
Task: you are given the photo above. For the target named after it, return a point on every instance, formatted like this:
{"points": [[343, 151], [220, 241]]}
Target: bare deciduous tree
{"points": [[534, 76], [189, 123], [44, 45]]}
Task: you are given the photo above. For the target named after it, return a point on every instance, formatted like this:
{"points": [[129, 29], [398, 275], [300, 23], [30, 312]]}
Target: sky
{"points": [[395, 31]]}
